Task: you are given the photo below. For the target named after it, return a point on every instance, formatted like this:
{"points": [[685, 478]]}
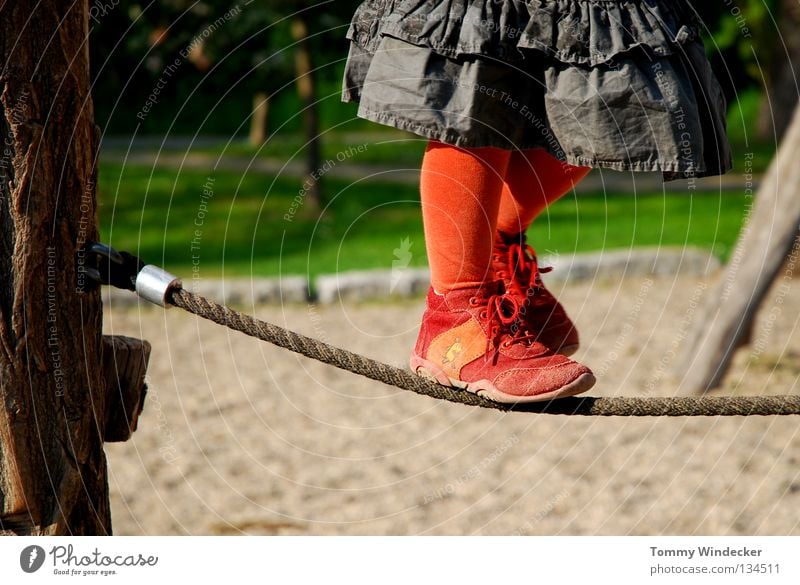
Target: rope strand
{"points": [[375, 370]]}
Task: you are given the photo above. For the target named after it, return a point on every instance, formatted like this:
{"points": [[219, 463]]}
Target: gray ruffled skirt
{"points": [[620, 84]]}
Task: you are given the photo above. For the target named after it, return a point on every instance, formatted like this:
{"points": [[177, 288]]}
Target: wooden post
{"points": [[52, 390], [724, 321]]}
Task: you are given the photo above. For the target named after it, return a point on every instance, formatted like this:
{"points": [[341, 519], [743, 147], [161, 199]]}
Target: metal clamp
{"points": [[100, 256], [153, 284], [124, 270], [102, 264]]}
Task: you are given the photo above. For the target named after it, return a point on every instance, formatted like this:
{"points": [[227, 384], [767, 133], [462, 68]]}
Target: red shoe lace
{"points": [[526, 275], [502, 316], [500, 312]]}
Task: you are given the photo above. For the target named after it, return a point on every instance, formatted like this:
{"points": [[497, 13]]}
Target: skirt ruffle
{"points": [[623, 84]]}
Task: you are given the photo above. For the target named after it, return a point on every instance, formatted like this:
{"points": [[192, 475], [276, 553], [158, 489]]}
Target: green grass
{"points": [[389, 147], [244, 231], [598, 221], [381, 146]]}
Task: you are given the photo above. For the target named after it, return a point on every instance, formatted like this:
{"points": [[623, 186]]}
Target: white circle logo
{"points": [[31, 558]]}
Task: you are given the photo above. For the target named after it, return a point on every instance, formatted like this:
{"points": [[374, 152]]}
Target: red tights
{"points": [[469, 193]]}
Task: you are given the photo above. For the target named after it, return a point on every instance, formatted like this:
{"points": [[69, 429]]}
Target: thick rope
{"points": [[588, 406]]}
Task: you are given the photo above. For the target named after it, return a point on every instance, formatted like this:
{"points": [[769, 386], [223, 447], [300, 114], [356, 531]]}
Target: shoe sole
{"points": [[485, 388]]}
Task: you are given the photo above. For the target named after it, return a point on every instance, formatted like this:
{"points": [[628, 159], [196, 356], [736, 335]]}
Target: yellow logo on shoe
{"points": [[453, 352], [457, 347]]}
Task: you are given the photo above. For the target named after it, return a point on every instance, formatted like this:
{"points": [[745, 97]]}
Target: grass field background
{"points": [[243, 227], [161, 213]]}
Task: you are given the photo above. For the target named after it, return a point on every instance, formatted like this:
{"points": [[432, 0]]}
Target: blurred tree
{"points": [[206, 54], [313, 26], [241, 64], [305, 77], [781, 95], [755, 42], [723, 48], [221, 56], [262, 36]]}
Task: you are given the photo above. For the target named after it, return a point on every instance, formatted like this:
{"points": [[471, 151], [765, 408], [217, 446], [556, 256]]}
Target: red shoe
{"points": [[466, 342], [514, 261]]}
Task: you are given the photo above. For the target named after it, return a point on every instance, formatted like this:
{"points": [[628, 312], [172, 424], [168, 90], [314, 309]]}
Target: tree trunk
{"points": [[781, 93], [260, 119], [307, 91], [52, 393]]}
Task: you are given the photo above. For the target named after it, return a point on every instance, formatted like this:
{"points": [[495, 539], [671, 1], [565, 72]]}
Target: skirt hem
{"points": [[670, 169]]}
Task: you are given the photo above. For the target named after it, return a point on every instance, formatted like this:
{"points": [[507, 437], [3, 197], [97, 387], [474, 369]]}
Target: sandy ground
{"points": [[238, 436]]}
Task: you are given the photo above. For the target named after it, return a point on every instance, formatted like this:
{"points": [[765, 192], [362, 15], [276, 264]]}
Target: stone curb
{"points": [[599, 266], [362, 285], [616, 264]]}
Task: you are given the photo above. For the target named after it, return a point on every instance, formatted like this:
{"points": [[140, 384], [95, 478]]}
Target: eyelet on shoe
{"points": [[483, 314], [506, 344], [473, 301]]}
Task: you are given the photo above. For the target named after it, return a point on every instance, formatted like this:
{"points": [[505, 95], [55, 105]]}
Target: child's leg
{"points": [[460, 192], [534, 180], [468, 337]]}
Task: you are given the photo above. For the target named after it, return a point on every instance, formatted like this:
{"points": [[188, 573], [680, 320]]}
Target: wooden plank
{"points": [[124, 366]]}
